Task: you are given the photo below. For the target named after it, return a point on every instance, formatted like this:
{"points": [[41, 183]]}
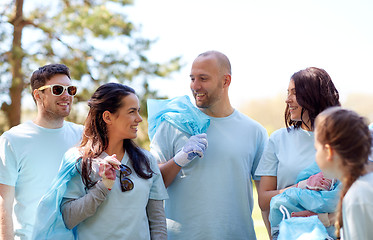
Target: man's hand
{"points": [[195, 146]]}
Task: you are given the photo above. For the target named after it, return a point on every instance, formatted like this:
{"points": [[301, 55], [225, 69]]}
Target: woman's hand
{"points": [[305, 213], [107, 167], [326, 218], [316, 182]]}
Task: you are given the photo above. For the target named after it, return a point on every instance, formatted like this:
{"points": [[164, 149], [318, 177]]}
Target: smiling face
{"points": [[55, 107], [206, 82], [294, 108], [124, 123]]}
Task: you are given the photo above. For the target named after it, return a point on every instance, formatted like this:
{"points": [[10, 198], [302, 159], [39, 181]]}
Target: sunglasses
{"points": [[125, 183], [57, 89]]}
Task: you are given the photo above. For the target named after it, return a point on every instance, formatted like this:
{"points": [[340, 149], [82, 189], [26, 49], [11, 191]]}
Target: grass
{"points": [[260, 229]]}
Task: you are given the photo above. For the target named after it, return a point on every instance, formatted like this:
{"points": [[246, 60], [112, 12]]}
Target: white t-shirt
{"points": [[357, 209], [212, 197], [30, 157], [286, 155], [123, 214]]}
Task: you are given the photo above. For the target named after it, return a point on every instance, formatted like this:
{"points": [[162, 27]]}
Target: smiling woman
{"points": [[110, 177], [291, 150]]}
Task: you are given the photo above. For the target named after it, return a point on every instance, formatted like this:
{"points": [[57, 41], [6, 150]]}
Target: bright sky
{"points": [[265, 40]]}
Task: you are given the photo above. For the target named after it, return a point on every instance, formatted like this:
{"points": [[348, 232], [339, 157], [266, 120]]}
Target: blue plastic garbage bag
{"points": [[49, 223], [296, 199], [302, 228], [179, 112]]}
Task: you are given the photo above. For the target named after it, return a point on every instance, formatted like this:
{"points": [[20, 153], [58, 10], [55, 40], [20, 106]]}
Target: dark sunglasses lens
{"points": [[126, 184], [57, 90], [71, 90], [125, 170]]}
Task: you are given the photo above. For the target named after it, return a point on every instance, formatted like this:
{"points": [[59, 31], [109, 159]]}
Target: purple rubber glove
{"points": [[195, 146]]}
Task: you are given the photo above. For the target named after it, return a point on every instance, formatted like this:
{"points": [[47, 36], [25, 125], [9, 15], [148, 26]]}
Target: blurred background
{"points": [[150, 45]]}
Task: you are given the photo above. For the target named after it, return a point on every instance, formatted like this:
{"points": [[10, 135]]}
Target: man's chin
{"points": [[201, 105]]}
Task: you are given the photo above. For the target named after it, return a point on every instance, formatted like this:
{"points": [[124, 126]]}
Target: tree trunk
{"points": [[13, 111]]}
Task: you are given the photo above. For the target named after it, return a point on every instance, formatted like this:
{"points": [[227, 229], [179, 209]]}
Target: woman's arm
{"points": [[267, 190], [75, 211], [157, 219]]}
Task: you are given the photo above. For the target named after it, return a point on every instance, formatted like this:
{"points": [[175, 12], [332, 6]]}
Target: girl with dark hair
{"points": [[107, 188], [343, 143], [290, 150]]}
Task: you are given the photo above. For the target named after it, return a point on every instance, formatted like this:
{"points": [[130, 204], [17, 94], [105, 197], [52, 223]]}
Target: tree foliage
{"points": [[93, 38]]}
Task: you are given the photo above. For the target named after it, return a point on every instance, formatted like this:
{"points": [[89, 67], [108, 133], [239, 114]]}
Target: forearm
{"points": [[75, 211], [6, 210], [157, 219], [265, 217], [265, 197], [6, 221], [169, 171]]}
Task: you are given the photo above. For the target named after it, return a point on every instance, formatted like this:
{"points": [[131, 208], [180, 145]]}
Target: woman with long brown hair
{"points": [[290, 150], [108, 187]]}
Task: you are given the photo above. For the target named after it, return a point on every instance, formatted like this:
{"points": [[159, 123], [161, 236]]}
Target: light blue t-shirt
{"points": [[357, 209], [30, 157], [286, 155], [123, 214], [212, 197]]}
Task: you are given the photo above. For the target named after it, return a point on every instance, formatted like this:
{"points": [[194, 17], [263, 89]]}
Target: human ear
{"points": [[106, 116], [227, 80], [329, 152], [36, 94]]}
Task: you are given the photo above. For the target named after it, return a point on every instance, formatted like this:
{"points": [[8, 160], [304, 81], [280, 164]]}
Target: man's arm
{"points": [[6, 209], [195, 146], [169, 171], [265, 214]]}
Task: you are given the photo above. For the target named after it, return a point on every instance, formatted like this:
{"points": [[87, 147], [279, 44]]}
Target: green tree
{"points": [[93, 38]]}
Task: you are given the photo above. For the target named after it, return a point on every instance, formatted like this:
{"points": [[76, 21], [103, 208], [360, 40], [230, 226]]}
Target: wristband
{"points": [[176, 163], [181, 158]]}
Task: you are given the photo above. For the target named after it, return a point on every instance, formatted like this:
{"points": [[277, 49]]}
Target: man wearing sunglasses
{"points": [[210, 185], [31, 153]]}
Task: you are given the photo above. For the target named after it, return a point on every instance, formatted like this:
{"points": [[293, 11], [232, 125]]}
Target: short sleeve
{"points": [[167, 141], [8, 163], [269, 162]]}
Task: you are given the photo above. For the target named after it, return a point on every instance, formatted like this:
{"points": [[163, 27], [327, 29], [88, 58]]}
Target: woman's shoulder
{"points": [[287, 132], [281, 132]]}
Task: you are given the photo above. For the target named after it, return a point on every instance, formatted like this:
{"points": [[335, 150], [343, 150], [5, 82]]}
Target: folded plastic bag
{"points": [[179, 112], [301, 228]]}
